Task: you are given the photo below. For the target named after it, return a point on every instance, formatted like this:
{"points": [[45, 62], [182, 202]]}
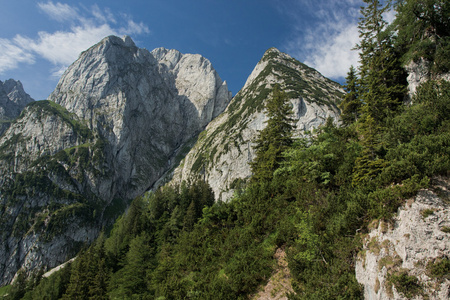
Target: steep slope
{"points": [[47, 207], [114, 124], [222, 153], [12, 100]]}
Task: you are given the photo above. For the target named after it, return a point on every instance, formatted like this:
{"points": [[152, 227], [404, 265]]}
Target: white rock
{"points": [[412, 242]]}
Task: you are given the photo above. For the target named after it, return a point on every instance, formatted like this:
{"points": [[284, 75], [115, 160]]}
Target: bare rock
{"points": [[408, 248]]}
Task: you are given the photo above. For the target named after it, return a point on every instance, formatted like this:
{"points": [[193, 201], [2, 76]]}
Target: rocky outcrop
{"points": [[115, 123], [418, 73], [223, 151], [408, 258], [12, 100]]}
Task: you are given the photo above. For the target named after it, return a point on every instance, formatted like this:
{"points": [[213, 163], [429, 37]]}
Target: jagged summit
{"points": [[116, 87], [13, 99]]}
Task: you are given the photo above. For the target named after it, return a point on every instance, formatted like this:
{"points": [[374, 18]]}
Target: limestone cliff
{"points": [[223, 150], [418, 73], [404, 259]]}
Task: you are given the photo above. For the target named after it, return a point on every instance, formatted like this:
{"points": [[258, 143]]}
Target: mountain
{"points": [[119, 120], [223, 151], [116, 122], [144, 105], [12, 100]]}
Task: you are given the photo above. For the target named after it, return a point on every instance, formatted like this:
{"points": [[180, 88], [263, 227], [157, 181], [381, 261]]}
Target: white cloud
{"points": [[334, 55], [135, 28], [11, 55], [63, 47], [105, 16], [59, 12], [327, 45]]}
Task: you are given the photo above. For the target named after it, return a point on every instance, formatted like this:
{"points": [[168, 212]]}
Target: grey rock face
{"points": [[112, 127], [418, 73], [416, 239], [224, 149], [36, 134], [12, 100], [42, 198], [146, 105]]}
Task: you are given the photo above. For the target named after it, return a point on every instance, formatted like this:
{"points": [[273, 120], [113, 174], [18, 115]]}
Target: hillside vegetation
{"points": [[318, 198]]}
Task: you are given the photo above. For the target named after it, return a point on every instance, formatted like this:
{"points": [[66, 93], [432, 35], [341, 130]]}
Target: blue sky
{"points": [[39, 39]]}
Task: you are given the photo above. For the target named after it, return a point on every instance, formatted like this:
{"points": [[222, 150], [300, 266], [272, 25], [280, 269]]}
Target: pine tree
{"points": [[275, 138], [382, 87], [382, 78], [423, 28], [131, 281], [189, 218], [351, 104], [78, 287], [97, 266]]}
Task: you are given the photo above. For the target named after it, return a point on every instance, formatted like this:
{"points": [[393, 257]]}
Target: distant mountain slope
{"points": [[12, 100], [222, 153]]}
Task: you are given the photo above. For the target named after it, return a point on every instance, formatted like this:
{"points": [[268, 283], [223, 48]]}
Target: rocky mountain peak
{"points": [[117, 87], [13, 99], [16, 93], [222, 154]]}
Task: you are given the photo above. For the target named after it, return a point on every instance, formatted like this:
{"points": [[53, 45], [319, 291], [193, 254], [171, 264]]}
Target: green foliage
{"points": [[423, 32], [310, 197], [52, 287], [4, 290], [406, 284], [426, 213], [351, 104], [382, 79], [439, 268]]}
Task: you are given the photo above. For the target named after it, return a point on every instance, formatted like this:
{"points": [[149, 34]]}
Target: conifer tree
{"points": [[275, 138], [382, 87], [189, 217], [382, 79], [78, 287], [351, 104]]}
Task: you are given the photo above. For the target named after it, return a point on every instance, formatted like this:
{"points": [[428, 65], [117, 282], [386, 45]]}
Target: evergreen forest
{"points": [[313, 197]]}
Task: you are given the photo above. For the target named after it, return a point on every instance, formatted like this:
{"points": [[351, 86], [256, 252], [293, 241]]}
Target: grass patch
{"points": [[439, 268], [445, 229], [426, 212], [406, 284]]}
